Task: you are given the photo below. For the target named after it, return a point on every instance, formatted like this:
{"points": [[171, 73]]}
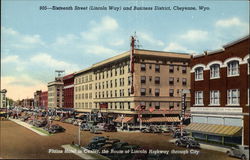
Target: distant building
{"points": [[44, 99], [220, 94], [68, 91], [3, 101], [27, 103], [37, 98], [55, 93]]}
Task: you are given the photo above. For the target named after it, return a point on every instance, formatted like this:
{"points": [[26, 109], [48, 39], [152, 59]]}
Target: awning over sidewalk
{"points": [[125, 119], [160, 119], [215, 129], [80, 114]]}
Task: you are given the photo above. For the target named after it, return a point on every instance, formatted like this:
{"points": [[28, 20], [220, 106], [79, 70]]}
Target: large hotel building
{"points": [[220, 94], [158, 80]]}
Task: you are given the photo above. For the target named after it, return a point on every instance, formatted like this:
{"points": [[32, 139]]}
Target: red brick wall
{"points": [[246, 130]]}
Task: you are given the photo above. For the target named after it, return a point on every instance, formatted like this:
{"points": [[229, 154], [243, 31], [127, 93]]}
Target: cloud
{"points": [[67, 39], [234, 21], [21, 86], [10, 59], [147, 38], [46, 60], [194, 35], [99, 50], [107, 24], [175, 47], [118, 42]]}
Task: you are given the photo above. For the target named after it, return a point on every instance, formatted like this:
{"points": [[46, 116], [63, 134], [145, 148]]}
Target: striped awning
{"points": [[215, 129], [160, 119], [124, 119]]}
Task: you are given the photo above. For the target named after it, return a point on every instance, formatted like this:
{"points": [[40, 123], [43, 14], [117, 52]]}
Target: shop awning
{"points": [[125, 119], [160, 119], [214, 129], [80, 114]]}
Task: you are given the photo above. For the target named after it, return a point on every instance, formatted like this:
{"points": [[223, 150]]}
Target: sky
{"points": [[35, 43]]}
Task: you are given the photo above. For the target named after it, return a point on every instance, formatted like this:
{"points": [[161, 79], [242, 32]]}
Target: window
{"points": [[150, 78], [157, 92], [157, 68], [233, 68], [157, 105], [171, 105], [184, 81], [157, 80], [215, 71], [171, 92], [214, 97], [143, 79], [233, 96], [171, 81], [199, 98], [115, 82], [171, 69], [111, 84], [184, 69], [150, 91], [199, 73], [143, 91], [150, 66], [129, 80], [143, 67]]}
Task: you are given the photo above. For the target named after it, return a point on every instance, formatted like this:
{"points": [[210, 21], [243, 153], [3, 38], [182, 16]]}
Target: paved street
{"points": [[19, 142]]}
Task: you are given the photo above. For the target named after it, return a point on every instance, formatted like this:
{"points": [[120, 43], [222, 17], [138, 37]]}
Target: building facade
{"points": [[37, 98], [158, 79], [44, 99], [27, 103], [68, 91], [55, 93], [3, 101], [220, 94]]}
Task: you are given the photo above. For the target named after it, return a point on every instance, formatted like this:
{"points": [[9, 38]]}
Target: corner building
{"points": [[158, 79], [220, 94]]}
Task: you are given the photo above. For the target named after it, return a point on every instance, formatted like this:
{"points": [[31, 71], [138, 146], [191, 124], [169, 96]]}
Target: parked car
{"points": [[239, 151], [110, 128], [100, 139], [94, 145], [119, 145], [55, 129], [177, 134], [188, 142], [40, 123], [95, 130], [152, 129], [112, 141]]}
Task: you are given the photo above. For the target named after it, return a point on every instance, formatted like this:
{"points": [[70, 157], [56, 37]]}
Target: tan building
{"points": [[55, 93], [158, 80]]}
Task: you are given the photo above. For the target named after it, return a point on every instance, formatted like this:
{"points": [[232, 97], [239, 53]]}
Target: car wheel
{"points": [[243, 157], [228, 153]]}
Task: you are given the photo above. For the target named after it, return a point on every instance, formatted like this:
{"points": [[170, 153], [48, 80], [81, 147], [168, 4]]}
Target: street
{"points": [[19, 142]]}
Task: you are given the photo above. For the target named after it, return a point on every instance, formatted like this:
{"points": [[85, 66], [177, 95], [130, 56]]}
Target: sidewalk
{"points": [[208, 146], [28, 126], [83, 155]]}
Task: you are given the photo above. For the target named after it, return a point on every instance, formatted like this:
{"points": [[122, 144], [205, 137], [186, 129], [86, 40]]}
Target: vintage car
{"points": [[177, 134], [55, 129], [110, 128], [40, 123], [188, 142], [239, 151]]}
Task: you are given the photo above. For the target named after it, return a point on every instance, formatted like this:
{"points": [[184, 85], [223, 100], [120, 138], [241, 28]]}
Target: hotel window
{"points": [[111, 73], [157, 92], [199, 73], [103, 86], [115, 82], [115, 93], [184, 81], [215, 71], [129, 80], [82, 87], [107, 84], [157, 80], [143, 91], [150, 91], [107, 74], [128, 67], [171, 81], [82, 96], [157, 68], [150, 78], [233, 97], [157, 105], [143, 67], [171, 105], [90, 77], [171, 92], [233, 68], [143, 79], [199, 98], [184, 69], [107, 94], [143, 105], [150, 66], [111, 84], [102, 75], [90, 95], [171, 69], [90, 86], [129, 92], [111, 95], [214, 97], [115, 72]]}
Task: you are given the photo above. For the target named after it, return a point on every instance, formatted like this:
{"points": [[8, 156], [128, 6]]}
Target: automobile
{"points": [[100, 139], [188, 142], [112, 141], [69, 120], [95, 130], [110, 128], [152, 129], [177, 134], [94, 145], [130, 147], [119, 145], [101, 126], [106, 147], [84, 127], [77, 122], [239, 151], [40, 123], [55, 129], [24, 118]]}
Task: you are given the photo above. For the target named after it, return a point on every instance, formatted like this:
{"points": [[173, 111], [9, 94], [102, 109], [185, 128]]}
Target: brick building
{"points": [[220, 94], [37, 98], [44, 99], [68, 91]]}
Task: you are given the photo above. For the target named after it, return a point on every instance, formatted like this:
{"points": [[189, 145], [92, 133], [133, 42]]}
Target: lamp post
{"points": [[183, 107]]}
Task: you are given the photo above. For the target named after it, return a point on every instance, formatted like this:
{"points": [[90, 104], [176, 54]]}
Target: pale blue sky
{"points": [[37, 42]]}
